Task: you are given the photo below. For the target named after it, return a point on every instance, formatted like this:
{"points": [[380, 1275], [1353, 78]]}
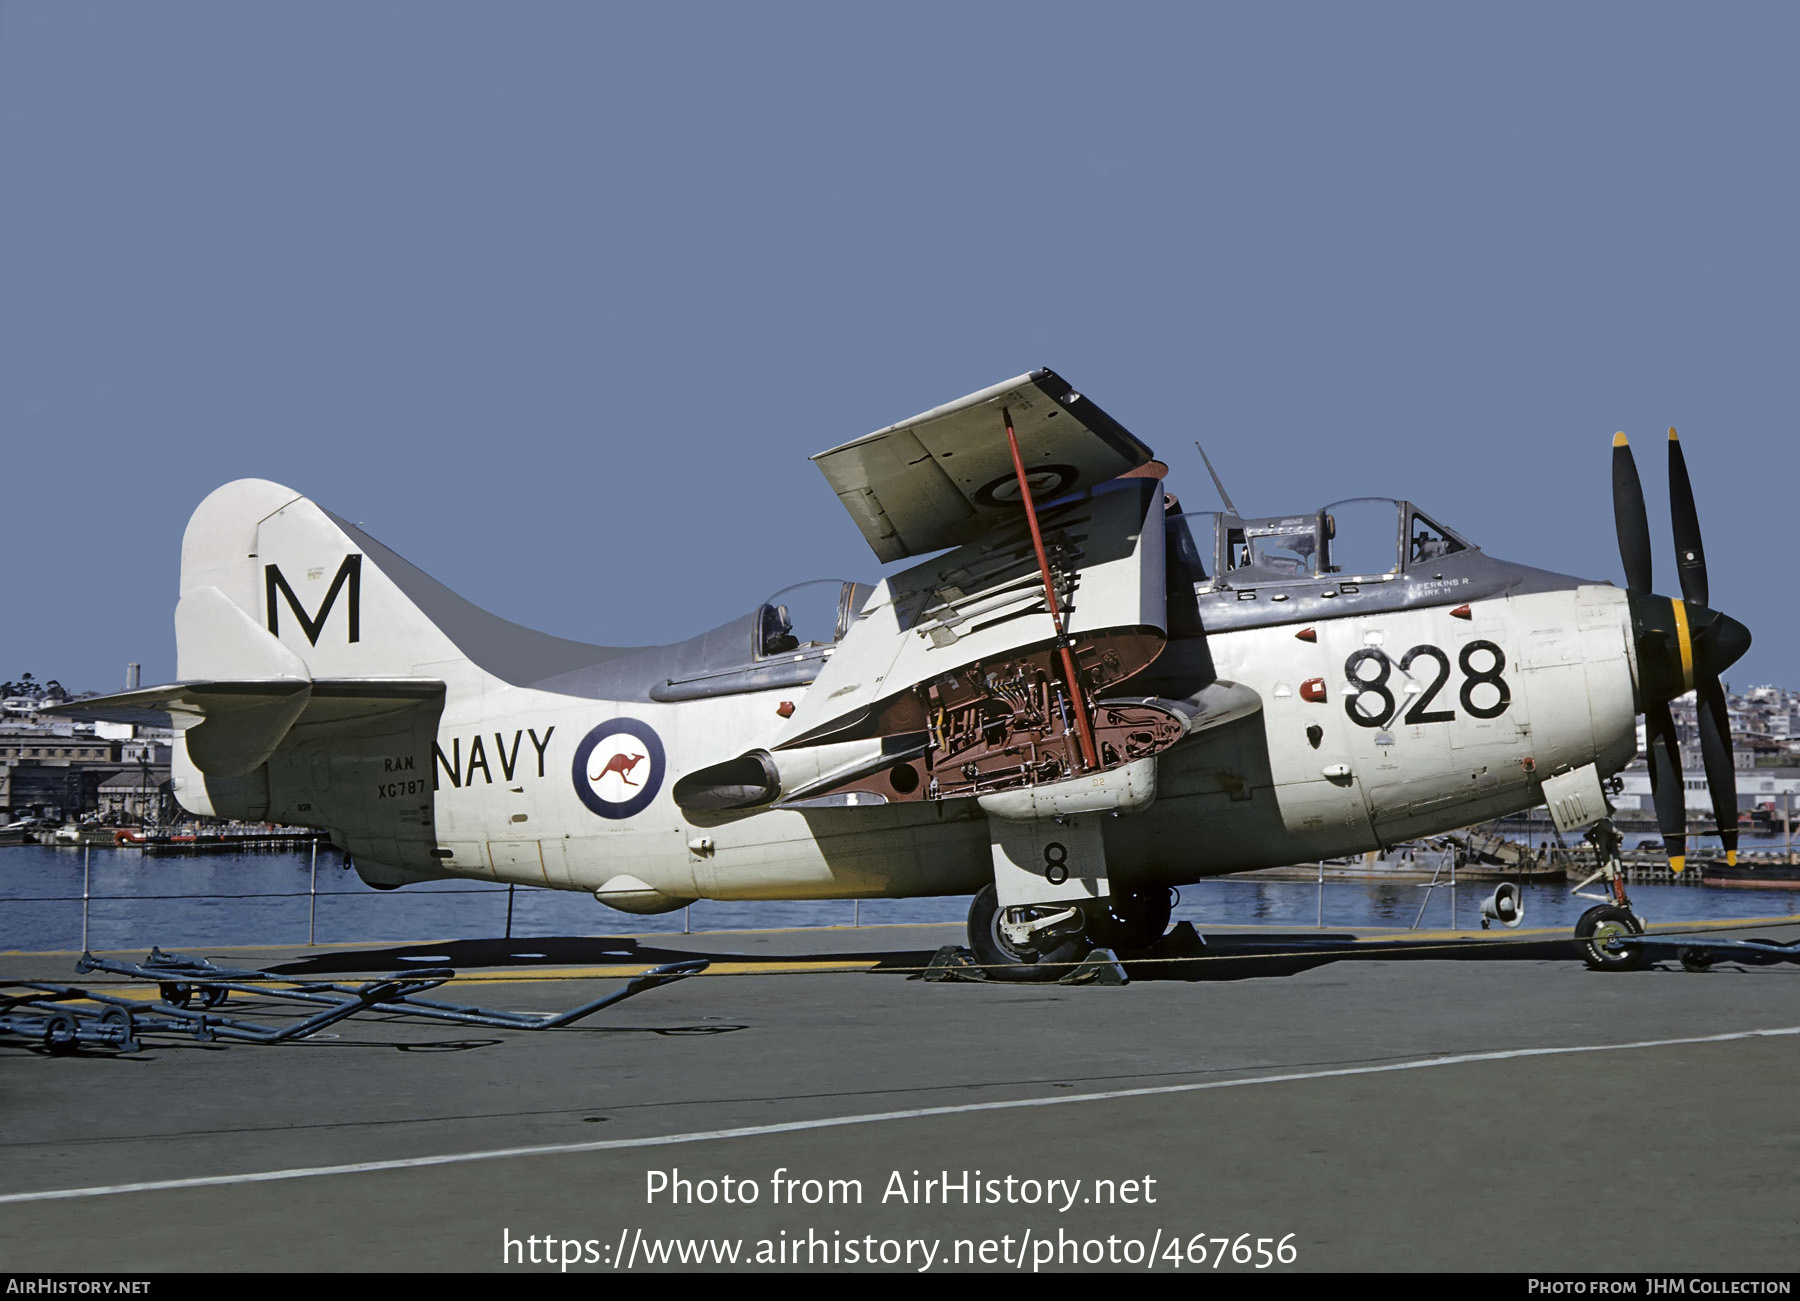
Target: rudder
{"points": [[289, 565]]}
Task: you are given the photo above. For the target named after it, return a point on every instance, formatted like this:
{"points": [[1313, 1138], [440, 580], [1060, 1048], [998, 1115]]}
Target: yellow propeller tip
{"points": [[1619, 439], [1673, 436], [1678, 863], [1731, 858]]}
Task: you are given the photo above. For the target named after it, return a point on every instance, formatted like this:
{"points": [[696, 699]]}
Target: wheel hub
{"points": [[1606, 933], [1023, 929]]}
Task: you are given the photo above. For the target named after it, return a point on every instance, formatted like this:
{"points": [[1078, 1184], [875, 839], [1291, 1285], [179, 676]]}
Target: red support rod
{"points": [[1077, 701]]}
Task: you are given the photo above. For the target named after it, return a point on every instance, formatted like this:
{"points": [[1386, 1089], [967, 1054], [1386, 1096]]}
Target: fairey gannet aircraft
{"points": [[1081, 699]]}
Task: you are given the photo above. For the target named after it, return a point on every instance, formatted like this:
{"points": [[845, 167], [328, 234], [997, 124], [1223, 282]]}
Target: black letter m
{"points": [[350, 570]]}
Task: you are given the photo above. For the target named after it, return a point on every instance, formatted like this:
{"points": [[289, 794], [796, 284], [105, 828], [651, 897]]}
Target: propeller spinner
{"points": [[1682, 646]]}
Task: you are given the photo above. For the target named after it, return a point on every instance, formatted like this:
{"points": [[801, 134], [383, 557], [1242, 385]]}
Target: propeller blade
{"points": [[1665, 781], [1690, 556], [1721, 773], [1629, 519]]}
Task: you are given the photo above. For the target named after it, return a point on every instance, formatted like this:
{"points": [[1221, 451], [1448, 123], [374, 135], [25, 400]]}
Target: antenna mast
{"points": [[1223, 495]]}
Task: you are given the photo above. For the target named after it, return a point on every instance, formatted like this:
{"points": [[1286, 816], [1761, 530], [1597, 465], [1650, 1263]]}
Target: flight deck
{"points": [[1432, 1100]]}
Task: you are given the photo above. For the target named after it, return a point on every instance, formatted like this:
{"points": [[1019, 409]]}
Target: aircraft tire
{"points": [[1135, 919], [1002, 961], [1599, 924]]}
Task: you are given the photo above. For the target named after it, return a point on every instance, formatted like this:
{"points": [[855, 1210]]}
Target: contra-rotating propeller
{"points": [[1682, 645]]}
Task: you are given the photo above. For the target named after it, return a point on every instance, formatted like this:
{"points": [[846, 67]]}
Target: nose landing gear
{"points": [[1600, 929]]}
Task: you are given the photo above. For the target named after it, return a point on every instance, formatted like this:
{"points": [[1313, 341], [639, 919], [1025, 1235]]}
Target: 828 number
{"points": [[1376, 684]]}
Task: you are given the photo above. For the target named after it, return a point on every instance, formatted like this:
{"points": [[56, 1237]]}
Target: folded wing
{"points": [[945, 477]]}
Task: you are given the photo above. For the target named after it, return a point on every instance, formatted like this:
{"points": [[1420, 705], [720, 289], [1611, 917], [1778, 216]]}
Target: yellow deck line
{"points": [[775, 968]]}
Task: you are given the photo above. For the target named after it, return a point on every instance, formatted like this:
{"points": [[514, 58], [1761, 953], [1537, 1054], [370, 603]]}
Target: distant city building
{"points": [[145, 749], [52, 771], [135, 797], [53, 768], [23, 699], [1765, 748]]}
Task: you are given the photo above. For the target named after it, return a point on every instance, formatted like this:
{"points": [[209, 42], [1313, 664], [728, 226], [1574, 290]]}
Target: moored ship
{"points": [[1752, 876]]}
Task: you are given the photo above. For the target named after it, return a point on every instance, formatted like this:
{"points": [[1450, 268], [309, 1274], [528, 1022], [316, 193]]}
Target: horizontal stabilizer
{"points": [[946, 476], [232, 727]]}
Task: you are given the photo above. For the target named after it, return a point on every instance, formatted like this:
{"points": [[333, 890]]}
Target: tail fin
{"points": [[314, 665], [335, 601], [271, 585]]}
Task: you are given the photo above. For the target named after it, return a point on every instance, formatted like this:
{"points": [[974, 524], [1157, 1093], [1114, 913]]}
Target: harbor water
{"points": [[248, 899]]}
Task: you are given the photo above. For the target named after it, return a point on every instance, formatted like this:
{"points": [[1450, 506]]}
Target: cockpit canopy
{"points": [[808, 616], [782, 642], [1361, 539]]}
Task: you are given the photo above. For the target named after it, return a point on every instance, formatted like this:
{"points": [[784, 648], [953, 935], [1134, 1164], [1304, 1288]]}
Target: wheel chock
{"points": [[1100, 967], [953, 962]]}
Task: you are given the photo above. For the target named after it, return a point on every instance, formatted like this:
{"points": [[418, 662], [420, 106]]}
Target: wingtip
{"points": [[1619, 439]]}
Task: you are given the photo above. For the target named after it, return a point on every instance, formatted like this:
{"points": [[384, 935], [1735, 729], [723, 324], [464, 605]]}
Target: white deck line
{"points": [[829, 1122]]}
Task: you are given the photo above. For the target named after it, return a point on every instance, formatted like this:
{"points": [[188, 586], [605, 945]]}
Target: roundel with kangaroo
{"points": [[619, 768]]}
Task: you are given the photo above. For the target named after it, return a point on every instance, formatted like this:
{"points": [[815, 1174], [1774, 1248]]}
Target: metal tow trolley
{"points": [[55, 1016], [1621, 951]]}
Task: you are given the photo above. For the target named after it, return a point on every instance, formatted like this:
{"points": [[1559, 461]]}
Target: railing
{"points": [[312, 894], [1383, 910]]}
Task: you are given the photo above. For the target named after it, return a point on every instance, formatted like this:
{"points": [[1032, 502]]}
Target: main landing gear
{"points": [[1043, 942], [1600, 928]]}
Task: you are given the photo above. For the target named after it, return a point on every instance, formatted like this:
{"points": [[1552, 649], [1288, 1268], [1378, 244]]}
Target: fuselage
{"points": [[1459, 713], [1413, 686]]}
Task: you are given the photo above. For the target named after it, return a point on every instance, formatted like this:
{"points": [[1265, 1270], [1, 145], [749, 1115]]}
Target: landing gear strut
{"points": [[1034, 942], [1600, 928], [1028, 942]]}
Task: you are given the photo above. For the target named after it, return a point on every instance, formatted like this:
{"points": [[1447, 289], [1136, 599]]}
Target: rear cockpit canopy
{"points": [[782, 642], [1362, 539], [809, 617]]}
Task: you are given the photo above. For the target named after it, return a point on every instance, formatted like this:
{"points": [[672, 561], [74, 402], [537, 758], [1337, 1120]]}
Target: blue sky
{"points": [[557, 298]]}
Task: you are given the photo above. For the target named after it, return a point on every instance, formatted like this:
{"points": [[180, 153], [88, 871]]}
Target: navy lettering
{"points": [[478, 757], [541, 745]]}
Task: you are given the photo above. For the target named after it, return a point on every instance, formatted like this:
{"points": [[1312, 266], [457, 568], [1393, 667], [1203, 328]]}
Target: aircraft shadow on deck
{"points": [[568, 950], [1183, 954]]}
